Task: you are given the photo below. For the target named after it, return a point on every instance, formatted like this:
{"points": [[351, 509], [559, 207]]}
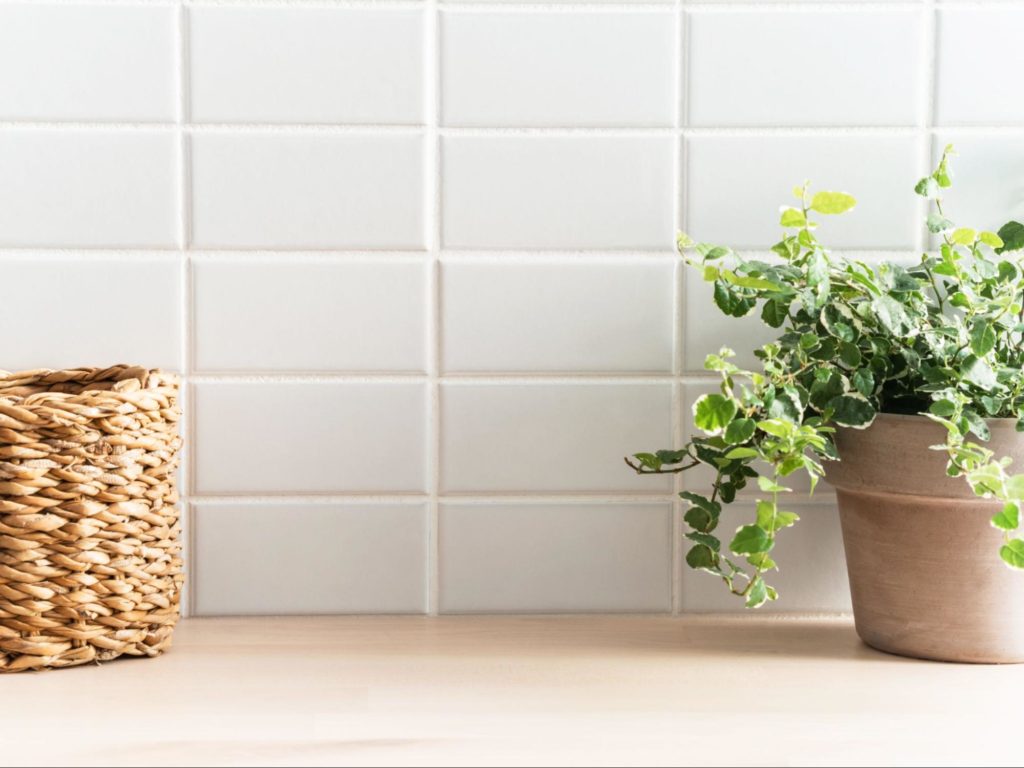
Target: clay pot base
{"points": [[925, 575]]}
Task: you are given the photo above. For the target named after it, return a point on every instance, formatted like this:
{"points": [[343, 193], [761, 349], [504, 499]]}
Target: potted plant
{"points": [[904, 386]]}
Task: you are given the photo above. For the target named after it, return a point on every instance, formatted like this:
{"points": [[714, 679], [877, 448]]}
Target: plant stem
{"points": [[640, 469]]}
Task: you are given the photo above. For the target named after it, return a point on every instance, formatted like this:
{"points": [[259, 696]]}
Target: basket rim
{"points": [[82, 376]]}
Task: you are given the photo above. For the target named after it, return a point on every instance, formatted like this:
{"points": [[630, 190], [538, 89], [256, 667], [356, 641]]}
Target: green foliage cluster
{"points": [[943, 337]]}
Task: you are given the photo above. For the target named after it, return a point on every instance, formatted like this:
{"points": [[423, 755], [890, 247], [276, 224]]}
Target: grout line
{"points": [[534, 6], [186, 324], [553, 8], [136, 3], [776, 131], [982, 4], [596, 498], [162, 126], [307, 377], [344, 129], [410, 257], [550, 257], [552, 131], [681, 113], [381, 497], [323, 257], [559, 131], [929, 53], [432, 74], [55, 254], [385, 5], [452, 379], [370, 498], [398, 129], [820, 498], [526, 6], [481, 6], [833, 6]]}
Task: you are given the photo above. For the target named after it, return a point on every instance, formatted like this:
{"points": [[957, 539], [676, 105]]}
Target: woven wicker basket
{"points": [[90, 565]]}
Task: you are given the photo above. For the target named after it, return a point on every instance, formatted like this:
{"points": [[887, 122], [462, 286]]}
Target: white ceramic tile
{"points": [[540, 315], [307, 190], [309, 437], [306, 64], [988, 180], [558, 192], [746, 6], [88, 188], [498, 3], [293, 314], [812, 566], [979, 58], [73, 311], [309, 559], [551, 437], [737, 184], [555, 558], [587, 69], [87, 62], [805, 67]]}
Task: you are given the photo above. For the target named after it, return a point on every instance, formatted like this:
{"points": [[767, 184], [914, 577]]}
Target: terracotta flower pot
{"points": [[925, 573]]}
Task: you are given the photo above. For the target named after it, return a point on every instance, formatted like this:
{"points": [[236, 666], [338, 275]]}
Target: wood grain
{"points": [[586, 690]]}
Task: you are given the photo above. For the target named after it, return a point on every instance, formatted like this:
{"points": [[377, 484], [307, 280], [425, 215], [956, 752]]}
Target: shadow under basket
{"points": [[90, 544]]}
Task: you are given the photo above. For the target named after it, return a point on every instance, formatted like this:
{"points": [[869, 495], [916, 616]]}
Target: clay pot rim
{"points": [[894, 434], [1002, 422]]}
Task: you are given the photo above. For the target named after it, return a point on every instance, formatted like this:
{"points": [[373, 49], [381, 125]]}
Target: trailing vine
{"points": [[943, 337]]}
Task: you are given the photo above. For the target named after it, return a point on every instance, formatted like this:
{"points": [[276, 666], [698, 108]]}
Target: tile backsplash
{"points": [[414, 259], [316, 190]]}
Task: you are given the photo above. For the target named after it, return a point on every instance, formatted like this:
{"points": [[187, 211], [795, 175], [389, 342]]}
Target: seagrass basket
{"points": [[90, 565]]}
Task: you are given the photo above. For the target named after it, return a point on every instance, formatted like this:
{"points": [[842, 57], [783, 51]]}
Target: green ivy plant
{"points": [[943, 338]]}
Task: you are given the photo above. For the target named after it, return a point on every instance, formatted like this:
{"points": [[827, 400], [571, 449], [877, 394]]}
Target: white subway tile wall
{"points": [[557, 192], [739, 62], [512, 557], [306, 65], [322, 314], [309, 437], [978, 44], [561, 437], [310, 558], [63, 311], [511, 69], [88, 62], [558, 316], [736, 183], [261, 189], [414, 259], [92, 188]]}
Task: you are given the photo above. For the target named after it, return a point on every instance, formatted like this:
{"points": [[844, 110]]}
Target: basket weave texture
{"points": [[90, 565]]}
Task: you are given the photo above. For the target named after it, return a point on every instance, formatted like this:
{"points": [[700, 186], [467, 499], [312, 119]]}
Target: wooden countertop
{"points": [[585, 690]]}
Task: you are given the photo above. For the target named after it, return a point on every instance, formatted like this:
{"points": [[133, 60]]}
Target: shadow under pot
{"points": [[923, 558]]}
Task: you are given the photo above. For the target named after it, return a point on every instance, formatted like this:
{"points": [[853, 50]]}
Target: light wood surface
{"points": [[513, 691]]}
